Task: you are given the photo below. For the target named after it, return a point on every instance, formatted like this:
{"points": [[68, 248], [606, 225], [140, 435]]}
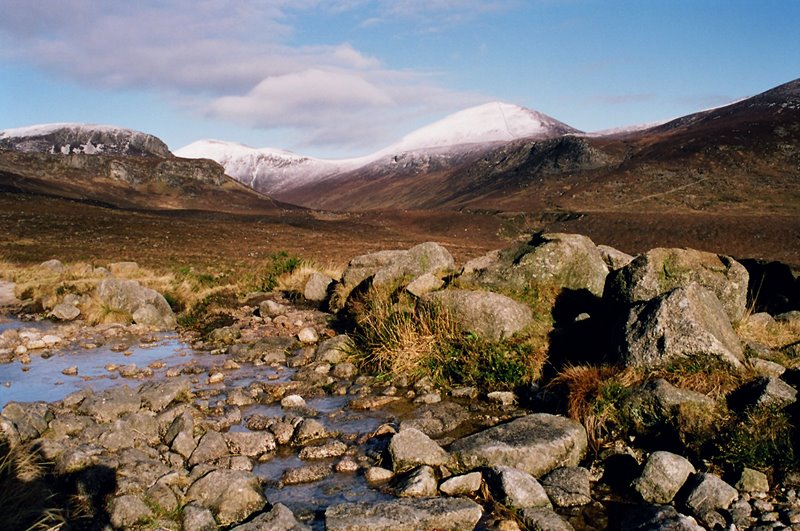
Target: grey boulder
{"points": [[410, 514], [490, 315]]}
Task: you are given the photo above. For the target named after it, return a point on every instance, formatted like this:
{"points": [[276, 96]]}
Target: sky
{"points": [[341, 78]]}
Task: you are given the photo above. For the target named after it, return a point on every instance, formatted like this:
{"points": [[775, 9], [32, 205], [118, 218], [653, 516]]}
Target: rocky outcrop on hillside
{"points": [[68, 139], [280, 412]]}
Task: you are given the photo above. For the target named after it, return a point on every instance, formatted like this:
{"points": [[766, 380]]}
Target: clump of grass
{"points": [[393, 335], [265, 278], [774, 334], [25, 500], [763, 437], [210, 312], [706, 374], [594, 395]]}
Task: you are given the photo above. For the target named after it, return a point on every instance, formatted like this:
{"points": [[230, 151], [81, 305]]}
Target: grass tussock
{"points": [[762, 437], [709, 375], [394, 335], [593, 396], [773, 334], [25, 500]]}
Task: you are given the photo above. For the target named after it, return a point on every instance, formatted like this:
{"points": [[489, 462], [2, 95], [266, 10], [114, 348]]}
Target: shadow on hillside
{"points": [[34, 496]]}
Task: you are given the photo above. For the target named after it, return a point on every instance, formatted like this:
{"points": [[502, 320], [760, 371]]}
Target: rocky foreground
{"points": [[182, 448]]}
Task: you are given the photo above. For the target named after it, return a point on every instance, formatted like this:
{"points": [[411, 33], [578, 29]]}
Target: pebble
{"points": [[215, 377], [70, 371]]}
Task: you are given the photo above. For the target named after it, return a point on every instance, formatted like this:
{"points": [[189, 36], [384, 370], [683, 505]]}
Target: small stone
{"points": [[662, 477], [568, 486], [411, 448], [306, 474], [515, 488], [543, 519], [347, 465], [70, 371], [710, 493], [462, 485], [293, 401], [308, 336], [465, 392], [504, 398], [428, 398], [215, 378], [128, 510], [325, 451], [419, 483], [376, 474], [344, 370], [751, 481]]}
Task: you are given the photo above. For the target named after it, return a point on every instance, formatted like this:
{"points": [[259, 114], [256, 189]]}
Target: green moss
{"points": [[762, 437]]}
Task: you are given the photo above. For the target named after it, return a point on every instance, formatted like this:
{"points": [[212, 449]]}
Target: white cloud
{"points": [[238, 62]]}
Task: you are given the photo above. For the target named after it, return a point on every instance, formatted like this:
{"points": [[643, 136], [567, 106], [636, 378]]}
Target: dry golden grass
{"points": [[774, 334], [592, 394], [709, 375], [295, 280]]}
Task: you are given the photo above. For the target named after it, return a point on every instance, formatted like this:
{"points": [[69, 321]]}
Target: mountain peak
{"points": [[90, 139], [495, 121]]}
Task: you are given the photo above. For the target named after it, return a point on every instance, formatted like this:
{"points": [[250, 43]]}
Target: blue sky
{"points": [[347, 77]]}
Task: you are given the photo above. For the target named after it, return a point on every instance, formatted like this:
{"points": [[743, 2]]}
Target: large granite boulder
{"points": [[570, 261], [490, 315], [407, 514], [661, 270], [131, 300], [662, 477], [683, 322], [387, 267], [536, 444]]}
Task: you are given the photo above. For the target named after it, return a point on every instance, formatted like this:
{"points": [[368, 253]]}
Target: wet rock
{"points": [[197, 518], [308, 431], [662, 477], [515, 489], [279, 518], [502, 398], [306, 474], [709, 493], [316, 288], [404, 515], [686, 321], [250, 444], [420, 482], [428, 398], [146, 307], [543, 519], [752, 481], [464, 484], [293, 401], [376, 474], [283, 432], [265, 351], [231, 495], [657, 518], [410, 448], [488, 314], [659, 271], [372, 402], [568, 486], [536, 444], [347, 465], [424, 284], [156, 396], [211, 447], [70, 371], [325, 451], [128, 510], [556, 260], [333, 350], [110, 404], [65, 312], [226, 335]]}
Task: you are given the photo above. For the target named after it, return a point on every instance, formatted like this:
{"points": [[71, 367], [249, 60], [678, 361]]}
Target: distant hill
{"points": [[117, 167]]}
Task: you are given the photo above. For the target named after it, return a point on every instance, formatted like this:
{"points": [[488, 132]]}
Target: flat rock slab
{"points": [[404, 515], [535, 443]]}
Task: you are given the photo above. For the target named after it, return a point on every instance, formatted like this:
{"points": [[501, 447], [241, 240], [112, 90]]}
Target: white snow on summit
{"points": [[265, 169], [491, 122], [47, 129]]}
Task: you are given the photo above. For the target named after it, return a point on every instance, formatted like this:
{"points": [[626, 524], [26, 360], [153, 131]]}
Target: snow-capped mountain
{"points": [[90, 139], [266, 169], [276, 171]]}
